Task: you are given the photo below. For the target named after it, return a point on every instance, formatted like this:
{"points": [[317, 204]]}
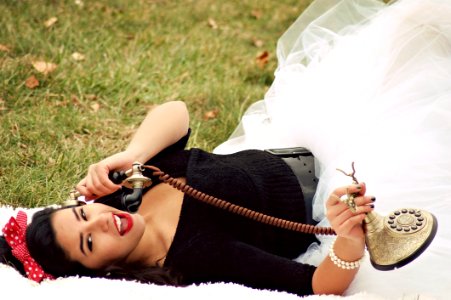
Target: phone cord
{"points": [[236, 209]]}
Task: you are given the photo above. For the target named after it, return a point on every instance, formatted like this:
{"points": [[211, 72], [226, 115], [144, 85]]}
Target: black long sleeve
{"points": [[234, 261]]}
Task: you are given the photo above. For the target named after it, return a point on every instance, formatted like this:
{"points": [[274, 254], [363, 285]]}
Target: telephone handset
{"points": [[392, 242]]}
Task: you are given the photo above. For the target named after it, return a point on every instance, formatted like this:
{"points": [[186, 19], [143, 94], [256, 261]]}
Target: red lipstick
{"points": [[123, 223]]}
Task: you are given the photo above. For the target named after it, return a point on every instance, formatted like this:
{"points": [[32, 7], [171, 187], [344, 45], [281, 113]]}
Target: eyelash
{"points": [[89, 240], [83, 215]]}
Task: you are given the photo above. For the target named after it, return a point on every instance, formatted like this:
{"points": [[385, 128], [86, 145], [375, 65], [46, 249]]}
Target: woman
{"points": [[359, 81], [175, 239]]}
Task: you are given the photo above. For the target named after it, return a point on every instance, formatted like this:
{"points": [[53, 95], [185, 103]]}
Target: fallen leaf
{"points": [[130, 36], [212, 114], [78, 56], [2, 105], [95, 106], [15, 129], [91, 97], [256, 14], [31, 82], [44, 67], [4, 48], [75, 100], [262, 59], [212, 23], [61, 103], [184, 76], [257, 42], [79, 3], [50, 22]]}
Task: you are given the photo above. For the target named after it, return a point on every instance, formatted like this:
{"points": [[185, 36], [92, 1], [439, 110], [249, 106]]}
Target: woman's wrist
{"points": [[120, 161], [345, 264], [349, 249]]}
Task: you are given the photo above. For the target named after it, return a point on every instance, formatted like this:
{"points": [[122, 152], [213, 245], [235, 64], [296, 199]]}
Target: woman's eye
{"points": [[90, 243], [83, 215]]}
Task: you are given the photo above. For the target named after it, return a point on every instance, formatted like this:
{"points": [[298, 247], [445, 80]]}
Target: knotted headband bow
{"points": [[14, 232]]}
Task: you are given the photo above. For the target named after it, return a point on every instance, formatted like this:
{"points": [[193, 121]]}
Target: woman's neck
{"points": [[160, 209]]}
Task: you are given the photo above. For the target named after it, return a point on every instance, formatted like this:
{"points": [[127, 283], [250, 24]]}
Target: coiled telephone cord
{"points": [[236, 209]]}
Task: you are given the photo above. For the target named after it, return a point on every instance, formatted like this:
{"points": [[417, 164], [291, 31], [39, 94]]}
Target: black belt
{"points": [[301, 161]]}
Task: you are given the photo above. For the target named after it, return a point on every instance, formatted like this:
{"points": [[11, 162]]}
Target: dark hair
{"points": [[7, 258], [43, 247]]}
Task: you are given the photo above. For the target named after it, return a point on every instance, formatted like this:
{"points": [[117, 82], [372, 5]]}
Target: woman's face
{"points": [[97, 235]]}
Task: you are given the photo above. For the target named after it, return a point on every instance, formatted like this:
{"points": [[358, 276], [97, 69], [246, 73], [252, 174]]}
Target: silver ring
{"points": [[349, 201]]}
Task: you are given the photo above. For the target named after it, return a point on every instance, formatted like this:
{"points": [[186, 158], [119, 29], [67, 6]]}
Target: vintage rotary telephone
{"points": [[392, 241]]}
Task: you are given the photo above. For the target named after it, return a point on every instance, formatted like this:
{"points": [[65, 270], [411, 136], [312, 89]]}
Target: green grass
{"points": [[137, 54]]}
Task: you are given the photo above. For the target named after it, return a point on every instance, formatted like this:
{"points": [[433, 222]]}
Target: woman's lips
{"points": [[123, 223]]}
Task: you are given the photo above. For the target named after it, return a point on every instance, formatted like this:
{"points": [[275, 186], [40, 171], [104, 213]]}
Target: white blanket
{"points": [[88, 288]]}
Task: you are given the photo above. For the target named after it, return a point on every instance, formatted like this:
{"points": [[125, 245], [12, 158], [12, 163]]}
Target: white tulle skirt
{"points": [[365, 82]]}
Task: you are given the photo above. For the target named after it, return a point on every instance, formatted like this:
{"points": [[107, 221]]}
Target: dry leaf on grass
{"points": [[91, 97], [2, 105], [262, 59], [51, 161], [212, 23], [77, 56], [31, 82], [256, 14], [4, 48], [44, 67], [50, 22], [79, 3], [75, 100], [95, 107], [212, 114], [257, 42]]}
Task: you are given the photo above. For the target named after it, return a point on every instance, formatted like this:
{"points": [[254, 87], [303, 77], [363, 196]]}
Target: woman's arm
{"points": [[163, 126], [350, 243]]}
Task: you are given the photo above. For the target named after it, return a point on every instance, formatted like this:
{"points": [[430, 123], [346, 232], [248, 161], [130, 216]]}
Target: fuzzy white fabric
{"points": [[12, 283]]}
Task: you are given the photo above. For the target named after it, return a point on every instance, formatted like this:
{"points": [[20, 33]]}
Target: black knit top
{"points": [[213, 245]]}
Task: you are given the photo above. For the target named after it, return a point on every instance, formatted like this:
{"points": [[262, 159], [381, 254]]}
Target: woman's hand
{"points": [[346, 223], [163, 126], [96, 183]]}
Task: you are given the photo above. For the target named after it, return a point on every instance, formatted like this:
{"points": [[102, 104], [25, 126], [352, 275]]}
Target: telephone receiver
{"points": [[392, 241]]}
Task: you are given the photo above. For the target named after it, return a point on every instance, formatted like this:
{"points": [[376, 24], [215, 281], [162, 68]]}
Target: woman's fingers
{"points": [[354, 189], [351, 227], [81, 187], [346, 209], [341, 213], [97, 183]]}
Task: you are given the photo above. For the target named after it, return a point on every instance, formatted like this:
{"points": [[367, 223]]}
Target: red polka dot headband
{"points": [[14, 232]]}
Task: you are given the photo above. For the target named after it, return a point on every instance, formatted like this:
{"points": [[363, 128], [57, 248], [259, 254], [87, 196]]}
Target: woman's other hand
{"points": [[329, 278], [345, 222]]}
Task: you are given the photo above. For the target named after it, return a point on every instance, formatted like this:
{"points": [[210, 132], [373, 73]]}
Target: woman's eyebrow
{"points": [[81, 234], [75, 213]]}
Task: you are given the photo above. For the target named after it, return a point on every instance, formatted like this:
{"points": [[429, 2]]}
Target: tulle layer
{"points": [[360, 81]]}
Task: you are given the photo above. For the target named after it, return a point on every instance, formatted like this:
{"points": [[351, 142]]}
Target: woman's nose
{"points": [[99, 222]]}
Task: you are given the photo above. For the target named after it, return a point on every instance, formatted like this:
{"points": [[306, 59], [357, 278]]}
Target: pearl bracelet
{"points": [[346, 265]]}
